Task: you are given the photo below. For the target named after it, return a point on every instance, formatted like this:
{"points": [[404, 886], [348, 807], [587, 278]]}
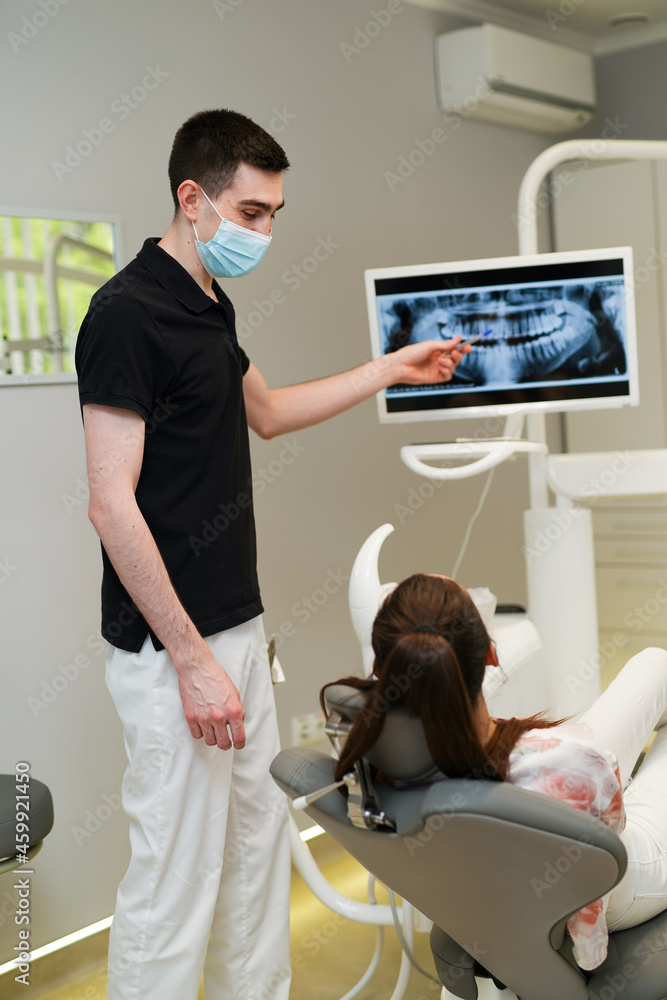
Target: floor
{"points": [[329, 953]]}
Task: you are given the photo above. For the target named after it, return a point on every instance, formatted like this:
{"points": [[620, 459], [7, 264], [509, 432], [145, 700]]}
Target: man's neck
{"points": [[179, 242]]}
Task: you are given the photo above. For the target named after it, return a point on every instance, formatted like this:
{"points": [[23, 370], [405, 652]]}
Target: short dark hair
{"points": [[209, 147]]}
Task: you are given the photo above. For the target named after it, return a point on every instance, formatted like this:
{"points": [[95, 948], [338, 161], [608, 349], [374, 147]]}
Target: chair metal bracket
{"points": [[363, 807]]}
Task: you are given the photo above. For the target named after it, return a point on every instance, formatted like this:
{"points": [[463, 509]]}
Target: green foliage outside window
{"points": [[36, 339]]}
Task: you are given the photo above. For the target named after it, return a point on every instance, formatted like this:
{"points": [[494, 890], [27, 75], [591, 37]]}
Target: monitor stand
{"points": [[471, 455]]}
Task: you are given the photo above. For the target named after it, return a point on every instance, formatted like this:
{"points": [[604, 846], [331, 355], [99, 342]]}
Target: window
{"points": [[49, 268]]}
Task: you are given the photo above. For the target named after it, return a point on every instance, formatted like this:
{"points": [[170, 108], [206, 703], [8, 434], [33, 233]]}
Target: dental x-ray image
{"points": [[530, 334], [550, 332]]}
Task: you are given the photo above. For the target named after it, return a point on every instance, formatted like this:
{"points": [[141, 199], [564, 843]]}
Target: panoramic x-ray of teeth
{"points": [[529, 334]]}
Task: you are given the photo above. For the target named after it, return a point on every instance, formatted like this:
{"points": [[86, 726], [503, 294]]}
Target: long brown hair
{"points": [[431, 647]]}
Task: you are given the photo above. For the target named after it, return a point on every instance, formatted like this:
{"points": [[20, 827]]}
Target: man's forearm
{"points": [[279, 411], [294, 407], [132, 550]]}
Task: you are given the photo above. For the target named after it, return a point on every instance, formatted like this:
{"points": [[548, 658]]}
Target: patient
{"points": [[432, 650]]}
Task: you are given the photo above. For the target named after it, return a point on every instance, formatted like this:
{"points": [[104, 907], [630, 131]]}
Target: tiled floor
{"points": [[329, 953]]}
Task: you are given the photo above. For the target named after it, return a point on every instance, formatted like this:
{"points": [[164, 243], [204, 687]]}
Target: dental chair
{"points": [[516, 689], [498, 869]]}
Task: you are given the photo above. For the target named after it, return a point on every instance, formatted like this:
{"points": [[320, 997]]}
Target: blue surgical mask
{"points": [[233, 251]]}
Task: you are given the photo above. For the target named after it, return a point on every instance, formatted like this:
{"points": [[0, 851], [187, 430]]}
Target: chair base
{"points": [[636, 964], [486, 990], [635, 967]]}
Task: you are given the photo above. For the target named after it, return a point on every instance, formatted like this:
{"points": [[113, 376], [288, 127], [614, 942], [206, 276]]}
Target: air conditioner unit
{"points": [[502, 76]]}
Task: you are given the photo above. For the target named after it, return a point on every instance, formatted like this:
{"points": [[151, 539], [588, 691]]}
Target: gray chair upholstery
{"points": [[496, 868], [40, 822]]}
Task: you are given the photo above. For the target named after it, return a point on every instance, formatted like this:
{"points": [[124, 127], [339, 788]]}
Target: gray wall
{"points": [[631, 90], [345, 118]]}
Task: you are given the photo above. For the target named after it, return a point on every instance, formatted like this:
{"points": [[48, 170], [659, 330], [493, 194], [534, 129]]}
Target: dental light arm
{"points": [[542, 165], [571, 149]]}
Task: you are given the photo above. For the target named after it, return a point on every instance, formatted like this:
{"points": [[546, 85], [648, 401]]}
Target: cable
{"points": [[379, 941], [404, 944], [466, 537]]}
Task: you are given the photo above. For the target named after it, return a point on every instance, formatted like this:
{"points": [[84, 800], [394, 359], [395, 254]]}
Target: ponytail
{"points": [[423, 675], [431, 649]]}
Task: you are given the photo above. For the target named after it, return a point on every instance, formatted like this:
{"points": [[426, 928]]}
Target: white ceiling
{"points": [[585, 23]]}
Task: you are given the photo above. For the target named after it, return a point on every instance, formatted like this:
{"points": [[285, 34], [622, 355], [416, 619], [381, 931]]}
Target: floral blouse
{"points": [[564, 762]]}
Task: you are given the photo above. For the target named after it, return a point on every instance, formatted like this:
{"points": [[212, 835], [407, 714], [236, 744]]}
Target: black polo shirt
{"points": [[154, 342]]}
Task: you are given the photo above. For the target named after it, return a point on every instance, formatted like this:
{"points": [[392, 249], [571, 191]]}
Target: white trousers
{"points": [[623, 718], [207, 887]]}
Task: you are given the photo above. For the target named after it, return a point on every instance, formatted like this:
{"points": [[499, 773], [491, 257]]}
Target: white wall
{"points": [[345, 123]]}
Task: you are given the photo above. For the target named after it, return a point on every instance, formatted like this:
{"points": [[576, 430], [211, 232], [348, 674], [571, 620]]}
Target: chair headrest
{"points": [[401, 751]]}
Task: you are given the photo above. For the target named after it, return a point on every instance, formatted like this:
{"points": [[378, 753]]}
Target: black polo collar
{"points": [[175, 279]]}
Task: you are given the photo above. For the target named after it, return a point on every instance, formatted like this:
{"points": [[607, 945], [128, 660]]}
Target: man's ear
{"points": [[189, 200]]}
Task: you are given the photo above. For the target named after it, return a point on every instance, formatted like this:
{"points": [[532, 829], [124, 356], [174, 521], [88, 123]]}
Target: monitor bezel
{"points": [[541, 262]]}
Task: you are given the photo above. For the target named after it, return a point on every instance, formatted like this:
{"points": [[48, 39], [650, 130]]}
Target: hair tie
{"points": [[428, 628]]}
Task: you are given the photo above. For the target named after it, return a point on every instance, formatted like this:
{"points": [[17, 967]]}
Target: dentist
{"points": [[167, 396]]}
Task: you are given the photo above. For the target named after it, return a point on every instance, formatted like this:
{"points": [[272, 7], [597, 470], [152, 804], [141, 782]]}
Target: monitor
{"points": [[557, 332]]}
